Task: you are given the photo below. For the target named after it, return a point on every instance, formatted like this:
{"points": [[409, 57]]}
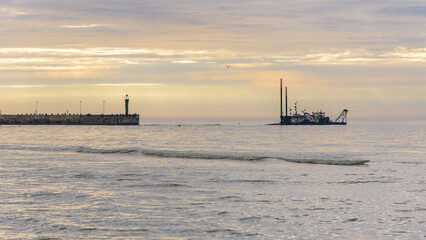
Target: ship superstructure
{"points": [[305, 118]]}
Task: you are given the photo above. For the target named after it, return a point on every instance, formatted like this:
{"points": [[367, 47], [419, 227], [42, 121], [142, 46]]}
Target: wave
{"points": [[329, 161], [220, 156], [105, 151], [201, 155], [244, 157], [183, 124]]}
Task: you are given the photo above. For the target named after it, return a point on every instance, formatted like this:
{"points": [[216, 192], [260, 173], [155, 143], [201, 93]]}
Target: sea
{"points": [[365, 180]]}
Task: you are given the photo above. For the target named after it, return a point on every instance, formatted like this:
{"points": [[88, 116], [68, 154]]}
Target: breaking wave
{"points": [[201, 155], [329, 161], [183, 125], [219, 156], [105, 151]]}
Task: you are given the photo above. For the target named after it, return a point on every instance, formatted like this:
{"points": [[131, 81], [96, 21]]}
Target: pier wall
{"points": [[69, 119]]}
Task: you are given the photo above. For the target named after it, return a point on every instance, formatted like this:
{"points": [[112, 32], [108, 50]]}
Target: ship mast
{"points": [[281, 100], [286, 101]]}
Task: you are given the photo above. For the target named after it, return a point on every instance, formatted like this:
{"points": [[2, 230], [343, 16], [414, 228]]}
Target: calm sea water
{"points": [[360, 181]]}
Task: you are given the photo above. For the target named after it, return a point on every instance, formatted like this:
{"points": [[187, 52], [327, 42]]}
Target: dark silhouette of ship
{"points": [[314, 118], [71, 119]]}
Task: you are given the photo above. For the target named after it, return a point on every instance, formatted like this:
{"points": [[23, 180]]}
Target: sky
{"points": [[214, 60]]}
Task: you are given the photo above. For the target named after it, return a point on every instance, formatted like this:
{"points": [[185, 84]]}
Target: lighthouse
{"points": [[126, 102]]}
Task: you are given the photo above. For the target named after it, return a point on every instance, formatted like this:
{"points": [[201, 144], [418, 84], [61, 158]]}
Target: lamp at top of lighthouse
{"points": [[126, 101]]}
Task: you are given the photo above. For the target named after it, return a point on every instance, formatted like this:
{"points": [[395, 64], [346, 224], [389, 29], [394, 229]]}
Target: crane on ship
{"points": [[342, 117]]}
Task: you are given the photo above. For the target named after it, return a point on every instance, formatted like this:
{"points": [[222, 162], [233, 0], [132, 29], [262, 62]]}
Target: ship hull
{"points": [[313, 123], [308, 120]]}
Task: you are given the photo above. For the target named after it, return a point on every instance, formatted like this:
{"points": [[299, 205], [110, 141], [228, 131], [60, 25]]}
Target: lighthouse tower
{"points": [[126, 101]]}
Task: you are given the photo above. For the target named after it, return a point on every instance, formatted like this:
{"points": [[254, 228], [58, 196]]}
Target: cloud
{"points": [[408, 55], [92, 58], [10, 12], [87, 26], [397, 56], [129, 84], [238, 25], [405, 11], [185, 61], [78, 59], [22, 86]]}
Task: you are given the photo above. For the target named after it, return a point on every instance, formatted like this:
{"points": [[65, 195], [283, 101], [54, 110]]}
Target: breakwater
{"points": [[69, 119]]}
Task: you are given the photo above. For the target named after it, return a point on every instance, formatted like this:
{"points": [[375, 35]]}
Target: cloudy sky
{"points": [[171, 57]]}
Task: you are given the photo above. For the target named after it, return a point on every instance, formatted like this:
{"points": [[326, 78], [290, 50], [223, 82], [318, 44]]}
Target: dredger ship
{"points": [[314, 118], [72, 119]]}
